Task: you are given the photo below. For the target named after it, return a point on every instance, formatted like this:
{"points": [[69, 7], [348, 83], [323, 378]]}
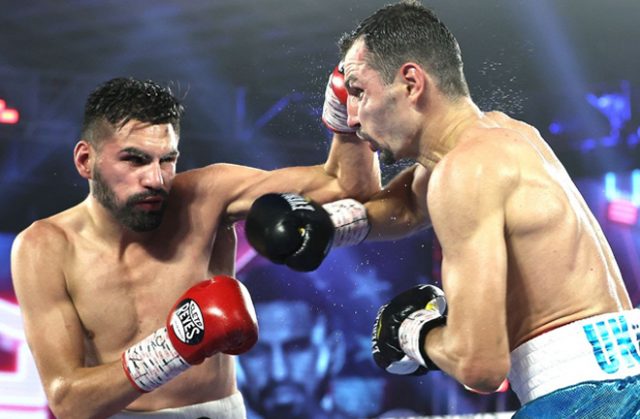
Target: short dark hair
{"points": [[408, 31], [117, 101]]}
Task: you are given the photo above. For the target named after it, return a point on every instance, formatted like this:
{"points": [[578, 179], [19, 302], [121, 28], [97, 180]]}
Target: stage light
{"points": [[556, 128], [622, 212], [7, 115], [613, 193], [622, 206], [21, 394], [614, 105]]}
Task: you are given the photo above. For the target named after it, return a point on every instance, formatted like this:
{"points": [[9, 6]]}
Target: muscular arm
{"points": [[401, 207], [354, 167], [351, 170], [467, 202], [55, 334]]}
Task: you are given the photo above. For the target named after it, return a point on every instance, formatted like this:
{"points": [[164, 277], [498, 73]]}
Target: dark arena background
{"points": [[252, 76]]}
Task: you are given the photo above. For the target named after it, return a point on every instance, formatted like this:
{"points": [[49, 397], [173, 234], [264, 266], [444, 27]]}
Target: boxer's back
{"points": [[560, 267]]}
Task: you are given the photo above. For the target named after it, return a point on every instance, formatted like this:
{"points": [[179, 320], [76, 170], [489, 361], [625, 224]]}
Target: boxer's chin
{"points": [[139, 220]]}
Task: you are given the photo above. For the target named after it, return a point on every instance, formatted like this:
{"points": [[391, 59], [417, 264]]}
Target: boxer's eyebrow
{"points": [[171, 156], [136, 152]]}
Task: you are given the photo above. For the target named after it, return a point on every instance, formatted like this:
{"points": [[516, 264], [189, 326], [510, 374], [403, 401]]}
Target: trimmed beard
{"points": [[127, 214]]}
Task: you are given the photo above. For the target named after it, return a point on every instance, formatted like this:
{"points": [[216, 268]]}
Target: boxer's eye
{"points": [[169, 160], [135, 160], [356, 92]]}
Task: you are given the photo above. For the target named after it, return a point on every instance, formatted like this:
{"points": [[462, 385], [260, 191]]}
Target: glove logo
{"points": [[187, 322], [297, 202]]}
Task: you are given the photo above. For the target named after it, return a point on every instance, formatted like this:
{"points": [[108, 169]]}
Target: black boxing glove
{"points": [[397, 341], [289, 229]]}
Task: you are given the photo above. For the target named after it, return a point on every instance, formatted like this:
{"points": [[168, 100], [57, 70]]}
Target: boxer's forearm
{"points": [[481, 372], [400, 208], [350, 159], [100, 391], [354, 165], [391, 220]]}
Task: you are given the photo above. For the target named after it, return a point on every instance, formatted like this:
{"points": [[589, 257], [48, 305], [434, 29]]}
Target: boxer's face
{"points": [[133, 172], [378, 110], [282, 377]]}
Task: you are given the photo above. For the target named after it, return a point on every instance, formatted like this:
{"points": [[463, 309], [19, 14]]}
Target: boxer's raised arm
{"points": [[291, 229], [351, 169], [350, 159], [54, 331], [354, 167], [400, 209]]}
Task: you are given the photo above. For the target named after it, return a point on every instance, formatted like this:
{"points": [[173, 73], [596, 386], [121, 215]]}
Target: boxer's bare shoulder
{"points": [[43, 243]]}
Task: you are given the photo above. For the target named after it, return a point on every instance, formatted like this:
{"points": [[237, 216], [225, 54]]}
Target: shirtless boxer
{"points": [[110, 289], [532, 287]]}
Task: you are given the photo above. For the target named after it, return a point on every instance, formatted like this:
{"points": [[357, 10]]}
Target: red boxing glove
{"points": [[334, 111], [214, 316]]}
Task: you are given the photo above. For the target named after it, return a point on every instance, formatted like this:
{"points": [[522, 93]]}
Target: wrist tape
{"points": [[152, 362], [334, 112], [350, 221], [412, 332]]}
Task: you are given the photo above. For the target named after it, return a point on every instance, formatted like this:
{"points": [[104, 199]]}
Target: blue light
{"points": [[556, 128], [612, 193], [609, 141], [615, 106], [610, 190], [635, 187], [588, 145]]}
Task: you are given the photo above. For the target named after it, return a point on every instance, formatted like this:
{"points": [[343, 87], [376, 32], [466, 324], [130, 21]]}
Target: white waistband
{"points": [[231, 407], [603, 347]]}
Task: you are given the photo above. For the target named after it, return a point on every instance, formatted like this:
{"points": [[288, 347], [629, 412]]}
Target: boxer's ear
{"points": [[417, 82], [83, 155]]}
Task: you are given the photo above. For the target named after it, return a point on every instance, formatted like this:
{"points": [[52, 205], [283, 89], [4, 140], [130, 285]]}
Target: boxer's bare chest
{"points": [[123, 294]]}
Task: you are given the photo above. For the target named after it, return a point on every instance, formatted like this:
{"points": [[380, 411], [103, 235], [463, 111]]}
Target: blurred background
{"points": [[251, 74]]}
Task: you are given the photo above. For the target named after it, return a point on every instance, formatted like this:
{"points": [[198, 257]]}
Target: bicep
{"points": [[474, 270], [241, 185], [52, 327], [468, 218]]}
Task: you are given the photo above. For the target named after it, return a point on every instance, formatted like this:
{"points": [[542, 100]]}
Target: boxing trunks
{"points": [[231, 407], [586, 369]]}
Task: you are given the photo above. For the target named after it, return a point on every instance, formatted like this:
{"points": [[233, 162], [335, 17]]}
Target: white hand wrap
{"points": [[410, 330], [153, 361], [334, 112], [350, 220]]}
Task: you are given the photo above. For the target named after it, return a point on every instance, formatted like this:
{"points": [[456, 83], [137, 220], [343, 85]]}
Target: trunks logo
{"points": [[615, 343], [187, 322]]}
